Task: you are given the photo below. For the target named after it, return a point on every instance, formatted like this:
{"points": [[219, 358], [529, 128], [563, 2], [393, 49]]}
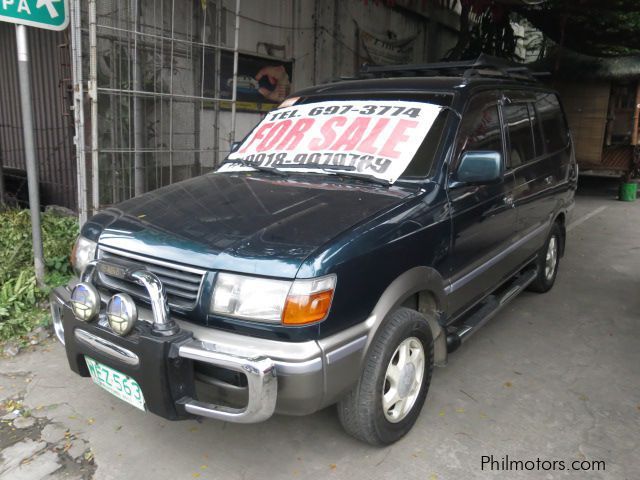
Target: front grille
{"points": [[181, 283]]}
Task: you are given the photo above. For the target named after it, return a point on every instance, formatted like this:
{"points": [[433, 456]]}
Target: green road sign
{"points": [[47, 14]]}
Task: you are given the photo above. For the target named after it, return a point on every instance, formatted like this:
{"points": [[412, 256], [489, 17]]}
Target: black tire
{"points": [[544, 282], [361, 412]]}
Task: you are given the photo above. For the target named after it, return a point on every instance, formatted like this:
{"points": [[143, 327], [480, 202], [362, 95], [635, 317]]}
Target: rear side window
{"points": [[480, 127], [554, 127], [521, 147]]}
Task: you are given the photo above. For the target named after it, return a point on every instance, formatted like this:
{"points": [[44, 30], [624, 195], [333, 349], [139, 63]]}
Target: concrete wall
{"points": [[322, 37]]}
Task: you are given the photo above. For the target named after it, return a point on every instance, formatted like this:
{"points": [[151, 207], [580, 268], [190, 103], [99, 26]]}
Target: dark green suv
{"points": [[358, 234]]}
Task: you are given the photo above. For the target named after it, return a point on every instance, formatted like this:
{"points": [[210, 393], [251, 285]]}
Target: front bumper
{"points": [[163, 366], [262, 384], [281, 377]]}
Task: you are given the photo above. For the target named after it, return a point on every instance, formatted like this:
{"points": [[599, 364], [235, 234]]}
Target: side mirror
{"points": [[479, 167], [235, 146]]}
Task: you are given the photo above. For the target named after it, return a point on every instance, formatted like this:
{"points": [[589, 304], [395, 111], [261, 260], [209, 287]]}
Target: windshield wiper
{"points": [[260, 168], [360, 176], [346, 171], [316, 165]]}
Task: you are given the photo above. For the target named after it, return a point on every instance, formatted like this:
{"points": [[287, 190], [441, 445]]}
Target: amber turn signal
{"points": [[303, 309], [309, 300]]}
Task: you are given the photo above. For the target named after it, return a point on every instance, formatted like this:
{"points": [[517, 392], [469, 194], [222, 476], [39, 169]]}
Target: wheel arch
{"points": [[346, 351], [421, 289]]}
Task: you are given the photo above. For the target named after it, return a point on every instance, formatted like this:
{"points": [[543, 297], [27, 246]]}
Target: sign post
{"points": [[50, 15], [29, 150]]}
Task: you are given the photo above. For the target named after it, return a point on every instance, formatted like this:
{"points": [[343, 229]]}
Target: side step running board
{"points": [[490, 306]]}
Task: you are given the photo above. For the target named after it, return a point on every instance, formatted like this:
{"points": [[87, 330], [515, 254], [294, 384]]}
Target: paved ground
{"points": [[555, 377]]}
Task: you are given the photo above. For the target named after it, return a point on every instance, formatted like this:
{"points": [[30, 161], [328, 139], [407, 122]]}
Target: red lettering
{"points": [[273, 136], [397, 136], [294, 137], [352, 135], [257, 136], [328, 133], [367, 145]]}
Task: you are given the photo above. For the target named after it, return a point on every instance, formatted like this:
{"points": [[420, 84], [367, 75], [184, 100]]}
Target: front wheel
{"points": [[393, 386], [548, 261]]}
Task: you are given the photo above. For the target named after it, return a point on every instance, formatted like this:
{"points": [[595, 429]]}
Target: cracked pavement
{"points": [[32, 445], [553, 376]]}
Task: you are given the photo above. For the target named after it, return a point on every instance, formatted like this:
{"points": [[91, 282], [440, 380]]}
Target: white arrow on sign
{"points": [[49, 6]]}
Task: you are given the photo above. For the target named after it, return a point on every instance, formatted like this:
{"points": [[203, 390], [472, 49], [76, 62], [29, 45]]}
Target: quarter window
{"points": [[554, 127], [521, 148]]}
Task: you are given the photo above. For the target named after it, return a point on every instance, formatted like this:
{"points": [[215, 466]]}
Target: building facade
{"points": [[167, 85]]}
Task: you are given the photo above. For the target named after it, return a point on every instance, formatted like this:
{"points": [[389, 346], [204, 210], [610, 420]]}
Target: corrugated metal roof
{"points": [[53, 126]]}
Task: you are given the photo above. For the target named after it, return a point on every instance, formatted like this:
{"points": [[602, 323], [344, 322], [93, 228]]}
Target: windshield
{"points": [[376, 138]]}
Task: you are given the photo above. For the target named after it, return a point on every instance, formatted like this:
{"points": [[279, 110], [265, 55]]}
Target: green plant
{"points": [[21, 301], [18, 298]]}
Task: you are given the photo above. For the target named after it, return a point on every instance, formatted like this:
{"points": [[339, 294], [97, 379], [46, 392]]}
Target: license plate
{"points": [[116, 383]]}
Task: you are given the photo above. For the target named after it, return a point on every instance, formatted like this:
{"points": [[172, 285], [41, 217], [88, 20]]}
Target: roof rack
{"points": [[483, 66]]}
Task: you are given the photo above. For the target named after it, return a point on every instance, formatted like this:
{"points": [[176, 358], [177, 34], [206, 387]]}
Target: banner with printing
{"points": [[377, 138]]}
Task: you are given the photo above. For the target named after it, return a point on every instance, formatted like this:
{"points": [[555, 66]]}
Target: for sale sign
{"points": [[376, 138], [47, 14]]}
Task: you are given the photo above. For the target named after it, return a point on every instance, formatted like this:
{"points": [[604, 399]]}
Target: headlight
{"points": [[273, 301], [83, 252]]}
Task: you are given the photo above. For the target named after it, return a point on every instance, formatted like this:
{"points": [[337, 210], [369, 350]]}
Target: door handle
{"points": [[548, 180]]}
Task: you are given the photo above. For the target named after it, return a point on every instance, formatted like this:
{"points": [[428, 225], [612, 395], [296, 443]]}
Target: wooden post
{"points": [[636, 116], [611, 115]]}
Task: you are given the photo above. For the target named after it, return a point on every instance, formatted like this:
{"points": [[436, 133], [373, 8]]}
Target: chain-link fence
{"points": [[154, 99]]}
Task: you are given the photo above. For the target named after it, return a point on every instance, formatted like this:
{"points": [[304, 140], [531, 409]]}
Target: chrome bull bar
{"points": [[162, 322], [260, 371]]}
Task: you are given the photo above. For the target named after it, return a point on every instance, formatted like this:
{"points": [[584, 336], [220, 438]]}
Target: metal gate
{"points": [[148, 98]]}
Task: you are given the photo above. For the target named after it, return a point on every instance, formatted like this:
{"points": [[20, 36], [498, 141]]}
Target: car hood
{"points": [[246, 222]]}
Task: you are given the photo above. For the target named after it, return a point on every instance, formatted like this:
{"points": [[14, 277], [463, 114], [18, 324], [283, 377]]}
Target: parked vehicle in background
{"points": [[358, 235]]}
